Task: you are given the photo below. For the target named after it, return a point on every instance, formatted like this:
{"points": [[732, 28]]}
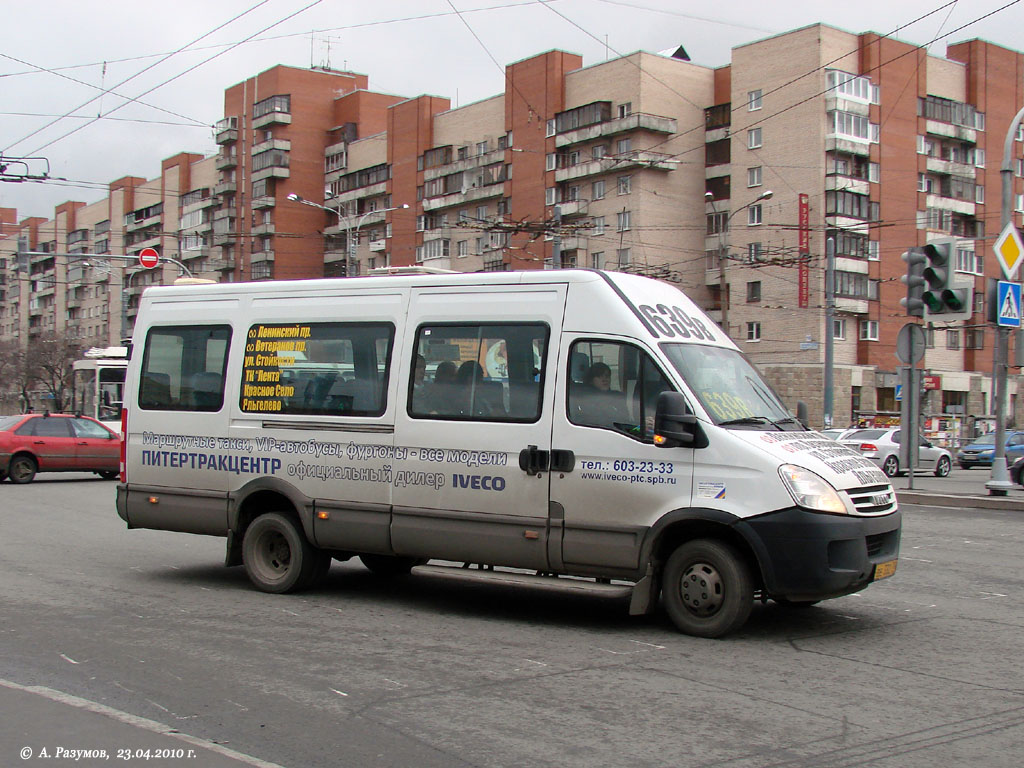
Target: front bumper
{"points": [[811, 556]]}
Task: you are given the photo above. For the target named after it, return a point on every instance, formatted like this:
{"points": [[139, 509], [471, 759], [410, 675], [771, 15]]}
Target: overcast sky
{"points": [[57, 55]]}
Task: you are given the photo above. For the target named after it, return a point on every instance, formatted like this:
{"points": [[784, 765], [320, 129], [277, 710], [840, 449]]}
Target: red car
{"points": [[44, 442]]}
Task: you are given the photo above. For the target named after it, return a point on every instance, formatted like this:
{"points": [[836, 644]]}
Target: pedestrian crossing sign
{"points": [[1008, 302]]}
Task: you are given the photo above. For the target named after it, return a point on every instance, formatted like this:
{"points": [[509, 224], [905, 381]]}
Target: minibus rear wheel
{"points": [[277, 556], [707, 588]]}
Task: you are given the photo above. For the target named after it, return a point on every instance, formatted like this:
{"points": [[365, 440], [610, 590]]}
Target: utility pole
{"points": [[830, 315], [999, 484]]}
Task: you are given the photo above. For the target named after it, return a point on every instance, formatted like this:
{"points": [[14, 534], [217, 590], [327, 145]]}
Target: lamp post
{"points": [[722, 255], [352, 232]]}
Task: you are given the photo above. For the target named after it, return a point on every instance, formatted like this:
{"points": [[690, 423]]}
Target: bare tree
{"points": [[48, 360], [15, 378]]}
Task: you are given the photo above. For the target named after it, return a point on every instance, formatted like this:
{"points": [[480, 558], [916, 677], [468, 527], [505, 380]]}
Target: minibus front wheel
{"points": [[708, 588], [278, 557]]}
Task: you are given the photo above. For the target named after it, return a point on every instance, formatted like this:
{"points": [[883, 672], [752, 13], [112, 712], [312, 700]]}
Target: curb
{"points": [[924, 498]]}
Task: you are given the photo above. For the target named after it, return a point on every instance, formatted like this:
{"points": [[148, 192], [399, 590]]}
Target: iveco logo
{"points": [[880, 499]]}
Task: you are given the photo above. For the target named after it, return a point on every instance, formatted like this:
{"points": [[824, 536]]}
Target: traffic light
{"points": [[914, 279], [945, 298]]}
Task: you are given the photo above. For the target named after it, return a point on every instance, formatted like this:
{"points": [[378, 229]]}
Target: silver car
{"points": [[882, 446]]}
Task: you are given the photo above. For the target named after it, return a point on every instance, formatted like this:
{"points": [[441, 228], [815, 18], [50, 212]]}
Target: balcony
{"points": [[370, 190], [574, 208], [633, 122], [265, 146], [951, 204], [264, 201], [226, 130], [195, 253], [637, 158], [949, 168], [467, 164], [272, 118], [273, 172], [262, 256], [224, 161], [835, 142], [462, 198], [136, 224], [333, 255], [376, 246], [860, 186], [225, 213], [262, 229], [225, 188], [952, 131]]}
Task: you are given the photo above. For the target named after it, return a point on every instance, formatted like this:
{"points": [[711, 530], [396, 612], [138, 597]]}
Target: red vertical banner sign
{"points": [[804, 227]]}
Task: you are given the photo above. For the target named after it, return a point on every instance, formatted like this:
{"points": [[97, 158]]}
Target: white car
{"points": [[882, 446], [838, 434]]}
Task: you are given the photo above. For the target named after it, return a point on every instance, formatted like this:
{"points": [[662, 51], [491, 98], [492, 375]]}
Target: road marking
{"points": [[138, 722], [915, 559], [68, 659], [340, 693]]}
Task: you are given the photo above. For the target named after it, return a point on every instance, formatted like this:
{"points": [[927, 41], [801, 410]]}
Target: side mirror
{"points": [[801, 413], [675, 425]]}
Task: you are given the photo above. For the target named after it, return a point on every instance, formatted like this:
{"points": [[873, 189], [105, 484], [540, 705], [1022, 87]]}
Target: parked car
{"points": [[838, 434], [882, 446], [44, 442], [1017, 471], [980, 452]]}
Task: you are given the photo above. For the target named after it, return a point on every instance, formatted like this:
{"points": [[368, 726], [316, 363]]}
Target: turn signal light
{"points": [[868, 447]]}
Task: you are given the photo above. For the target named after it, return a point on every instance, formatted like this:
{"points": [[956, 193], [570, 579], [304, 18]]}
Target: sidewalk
{"points": [[41, 725], [963, 488]]}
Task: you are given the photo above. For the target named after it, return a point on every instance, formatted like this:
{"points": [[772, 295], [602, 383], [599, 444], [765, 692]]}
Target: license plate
{"points": [[885, 570]]}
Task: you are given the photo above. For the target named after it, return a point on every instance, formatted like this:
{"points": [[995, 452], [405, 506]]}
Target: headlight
{"points": [[987, 453], [810, 491]]}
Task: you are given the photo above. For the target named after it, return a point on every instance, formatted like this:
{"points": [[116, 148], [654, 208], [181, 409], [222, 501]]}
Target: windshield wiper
{"points": [[759, 420]]}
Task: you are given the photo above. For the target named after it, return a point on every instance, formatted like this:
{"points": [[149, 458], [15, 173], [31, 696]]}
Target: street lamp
{"points": [[722, 256], [352, 232]]}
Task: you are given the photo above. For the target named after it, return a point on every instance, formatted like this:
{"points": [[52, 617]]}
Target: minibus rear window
{"points": [[183, 368]]}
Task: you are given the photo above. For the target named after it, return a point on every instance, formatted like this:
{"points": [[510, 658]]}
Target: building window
{"points": [[622, 146], [755, 253], [622, 221], [952, 339], [550, 161], [550, 128], [717, 223], [623, 256], [754, 291], [462, 249], [969, 261], [869, 330], [839, 329], [599, 151], [597, 190], [597, 225], [754, 138], [625, 110], [753, 100], [625, 184], [597, 260], [974, 338], [754, 331], [550, 196], [754, 215], [754, 177]]}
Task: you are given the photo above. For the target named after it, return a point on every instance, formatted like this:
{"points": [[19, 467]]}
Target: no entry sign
{"points": [[149, 258]]}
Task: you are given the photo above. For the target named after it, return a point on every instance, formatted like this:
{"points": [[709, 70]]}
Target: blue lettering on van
{"points": [[213, 462], [479, 482]]}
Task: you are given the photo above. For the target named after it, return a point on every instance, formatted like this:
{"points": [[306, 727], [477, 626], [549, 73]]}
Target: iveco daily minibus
{"points": [[585, 427]]}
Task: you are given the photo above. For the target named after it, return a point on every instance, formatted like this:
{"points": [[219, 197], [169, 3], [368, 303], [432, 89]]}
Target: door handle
{"points": [[39, 442], [562, 460], [533, 461], [83, 443]]}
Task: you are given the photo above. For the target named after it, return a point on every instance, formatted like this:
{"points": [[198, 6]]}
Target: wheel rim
{"points": [[701, 589], [21, 470], [890, 466], [273, 555], [943, 467]]}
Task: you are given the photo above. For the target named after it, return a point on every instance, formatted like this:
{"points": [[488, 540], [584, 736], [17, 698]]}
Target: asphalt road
{"points": [[114, 639]]}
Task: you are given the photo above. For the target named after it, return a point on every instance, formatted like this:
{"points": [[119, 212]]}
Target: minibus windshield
{"points": [[729, 387]]}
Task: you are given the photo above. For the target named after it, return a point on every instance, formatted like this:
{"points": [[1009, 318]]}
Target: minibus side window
{"points": [[613, 386], [183, 368], [323, 369], [485, 372]]}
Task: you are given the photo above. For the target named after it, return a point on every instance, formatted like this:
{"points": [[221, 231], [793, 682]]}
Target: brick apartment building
{"points": [[724, 181]]}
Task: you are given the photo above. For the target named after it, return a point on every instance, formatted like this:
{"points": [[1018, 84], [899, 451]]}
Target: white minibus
{"points": [[586, 429]]}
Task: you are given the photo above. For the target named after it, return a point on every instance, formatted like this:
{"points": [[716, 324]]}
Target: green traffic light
{"points": [[933, 301], [953, 300]]}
